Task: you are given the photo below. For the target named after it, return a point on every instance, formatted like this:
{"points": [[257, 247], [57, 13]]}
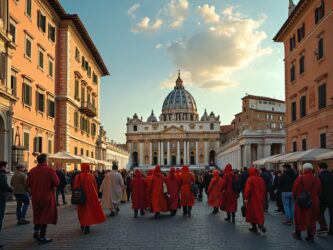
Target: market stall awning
{"points": [[64, 157], [263, 161], [325, 156], [308, 155], [104, 163], [89, 160], [279, 159]]}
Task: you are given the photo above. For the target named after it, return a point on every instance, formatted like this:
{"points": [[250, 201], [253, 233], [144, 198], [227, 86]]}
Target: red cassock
{"points": [[149, 180], [91, 212], [229, 196], [215, 190], [158, 199], [42, 181], [255, 193], [186, 180], [139, 187], [305, 218], [173, 190]]}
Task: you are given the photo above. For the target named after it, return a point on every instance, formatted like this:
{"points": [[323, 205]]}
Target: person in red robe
{"points": [[229, 197], [42, 181], [254, 200], [91, 212], [305, 218], [173, 191], [215, 192], [158, 198], [149, 179], [186, 195], [138, 187]]}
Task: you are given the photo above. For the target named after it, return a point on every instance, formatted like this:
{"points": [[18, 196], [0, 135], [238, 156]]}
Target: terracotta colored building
{"points": [[308, 37]]}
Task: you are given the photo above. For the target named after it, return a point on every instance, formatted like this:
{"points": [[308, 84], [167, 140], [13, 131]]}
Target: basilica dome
{"points": [[179, 104]]}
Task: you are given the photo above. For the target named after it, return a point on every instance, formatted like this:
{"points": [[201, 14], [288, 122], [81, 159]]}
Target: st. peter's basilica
{"points": [[178, 137]]}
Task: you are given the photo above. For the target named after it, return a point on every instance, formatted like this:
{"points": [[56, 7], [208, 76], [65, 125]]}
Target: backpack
{"points": [[236, 185], [304, 199]]}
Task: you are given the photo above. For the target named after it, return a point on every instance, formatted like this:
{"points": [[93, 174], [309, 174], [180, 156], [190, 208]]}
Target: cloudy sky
{"points": [[223, 48]]}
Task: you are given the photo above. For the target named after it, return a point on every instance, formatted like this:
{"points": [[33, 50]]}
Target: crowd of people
{"points": [[301, 195]]}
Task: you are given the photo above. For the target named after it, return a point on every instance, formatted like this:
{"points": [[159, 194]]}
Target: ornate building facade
{"points": [[177, 137]]}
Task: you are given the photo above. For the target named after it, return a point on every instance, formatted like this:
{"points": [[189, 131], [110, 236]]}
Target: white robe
{"points": [[111, 189]]}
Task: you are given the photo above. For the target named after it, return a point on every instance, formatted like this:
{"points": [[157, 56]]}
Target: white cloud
{"points": [[170, 82], [177, 11], [225, 46], [131, 11], [158, 46], [146, 25], [208, 13]]}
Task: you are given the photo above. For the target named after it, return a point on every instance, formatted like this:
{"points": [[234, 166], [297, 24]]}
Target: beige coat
{"points": [[111, 189]]}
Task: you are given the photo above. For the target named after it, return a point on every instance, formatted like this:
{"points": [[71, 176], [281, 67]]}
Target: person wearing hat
{"points": [[21, 192], [306, 215]]}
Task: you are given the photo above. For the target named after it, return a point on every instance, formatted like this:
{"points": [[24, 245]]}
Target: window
{"points": [[41, 58], [76, 90], [302, 64], [273, 125], [26, 141], [75, 150], [292, 73], [323, 140], [322, 96], [294, 146], [87, 153], [92, 154], [293, 111], [41, 21], [135, 128], [3, 68], [51, 32], [76, 119], [49, 146], [304, 144], [83, 62], [50, 108], [320, 48], [211, 126], [81, 151], [40, 101], [77, 54], [26, 95], [28, 8], [320, 12], [292, 43], [13, 83], [95, 78], [281, 118], [301, 33], [93, 129], [50, 71], [38, 144], [28, 46], [302, 106], [12, 29]]}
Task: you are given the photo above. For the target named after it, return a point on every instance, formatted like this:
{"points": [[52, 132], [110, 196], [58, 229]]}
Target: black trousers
{"points": [[41, 228], [62, 192]]}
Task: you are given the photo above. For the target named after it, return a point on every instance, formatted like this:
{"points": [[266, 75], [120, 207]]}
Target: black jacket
{"points": [[62, 178], [326, 179], [268, 180], [286, 181], [4, 187], [242, 178]]}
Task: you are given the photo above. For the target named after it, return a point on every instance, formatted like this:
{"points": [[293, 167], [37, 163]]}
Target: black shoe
{"points": [[157, 216], [44, 241], [189, 214], [215, 211], [253, 229], [24, 222], [117, 209], [142, 213], [233, 220], [86, 230], [1, 246], [36, 235], [310, 239], [227, 219], [112, 214], [82, 228], [297, 236], [262, 228]]}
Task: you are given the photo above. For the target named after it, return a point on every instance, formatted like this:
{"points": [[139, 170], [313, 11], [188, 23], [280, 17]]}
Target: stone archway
{"points": [[135, 159], [212, 155]]}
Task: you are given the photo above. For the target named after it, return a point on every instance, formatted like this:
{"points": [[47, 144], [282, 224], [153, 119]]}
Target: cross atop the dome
{"points": [[179, 81]]}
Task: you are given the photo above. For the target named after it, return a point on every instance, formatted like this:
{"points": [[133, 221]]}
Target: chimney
{"points": [[291, 7]]}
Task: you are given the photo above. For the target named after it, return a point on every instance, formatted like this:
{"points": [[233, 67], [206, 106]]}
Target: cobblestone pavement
{"points": [[202, 231]]}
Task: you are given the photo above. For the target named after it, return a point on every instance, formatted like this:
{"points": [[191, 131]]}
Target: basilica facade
{"points": [[178, 137]]}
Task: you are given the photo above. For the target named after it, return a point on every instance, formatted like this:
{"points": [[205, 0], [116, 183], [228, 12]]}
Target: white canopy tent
{"points": [[279, 159], [325, 156], [308, 155], [263, 161], [64, 157]]}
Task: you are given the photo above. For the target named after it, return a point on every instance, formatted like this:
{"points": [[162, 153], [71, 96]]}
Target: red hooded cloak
{"points": [[158, 199], [173, 190], [186, 180], [214, 190], [229, 197], [138, 186]]}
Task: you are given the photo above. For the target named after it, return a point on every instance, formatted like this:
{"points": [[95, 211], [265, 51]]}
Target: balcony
{"points": [[88, 109]]}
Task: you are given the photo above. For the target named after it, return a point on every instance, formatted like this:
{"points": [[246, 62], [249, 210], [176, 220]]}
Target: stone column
{"points": [[247, 155], [150, 153], [267, 150], [240, 165], [260, 151], [141, 154], [162, 153], [168, 154], [188, 152], [159, 153], [184, 152], [178, 153], [196, 152], [205, 153], [283, 148]]}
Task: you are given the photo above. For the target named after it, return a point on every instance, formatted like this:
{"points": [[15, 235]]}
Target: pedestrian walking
{"points": [[306, 192], [149, 179], [268, 181], [255, 195], [4, 188], [139, 189], [21, 192], [42, 181], [325, 199], [229, 195], [215, 192], [90, 212], [173, 191], [112, 190], [61, 187], [186, 195], [285, 185]]}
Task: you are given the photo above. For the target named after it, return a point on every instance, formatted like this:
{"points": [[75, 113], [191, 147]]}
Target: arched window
{"points": [[212, 126], [135, 128]]}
